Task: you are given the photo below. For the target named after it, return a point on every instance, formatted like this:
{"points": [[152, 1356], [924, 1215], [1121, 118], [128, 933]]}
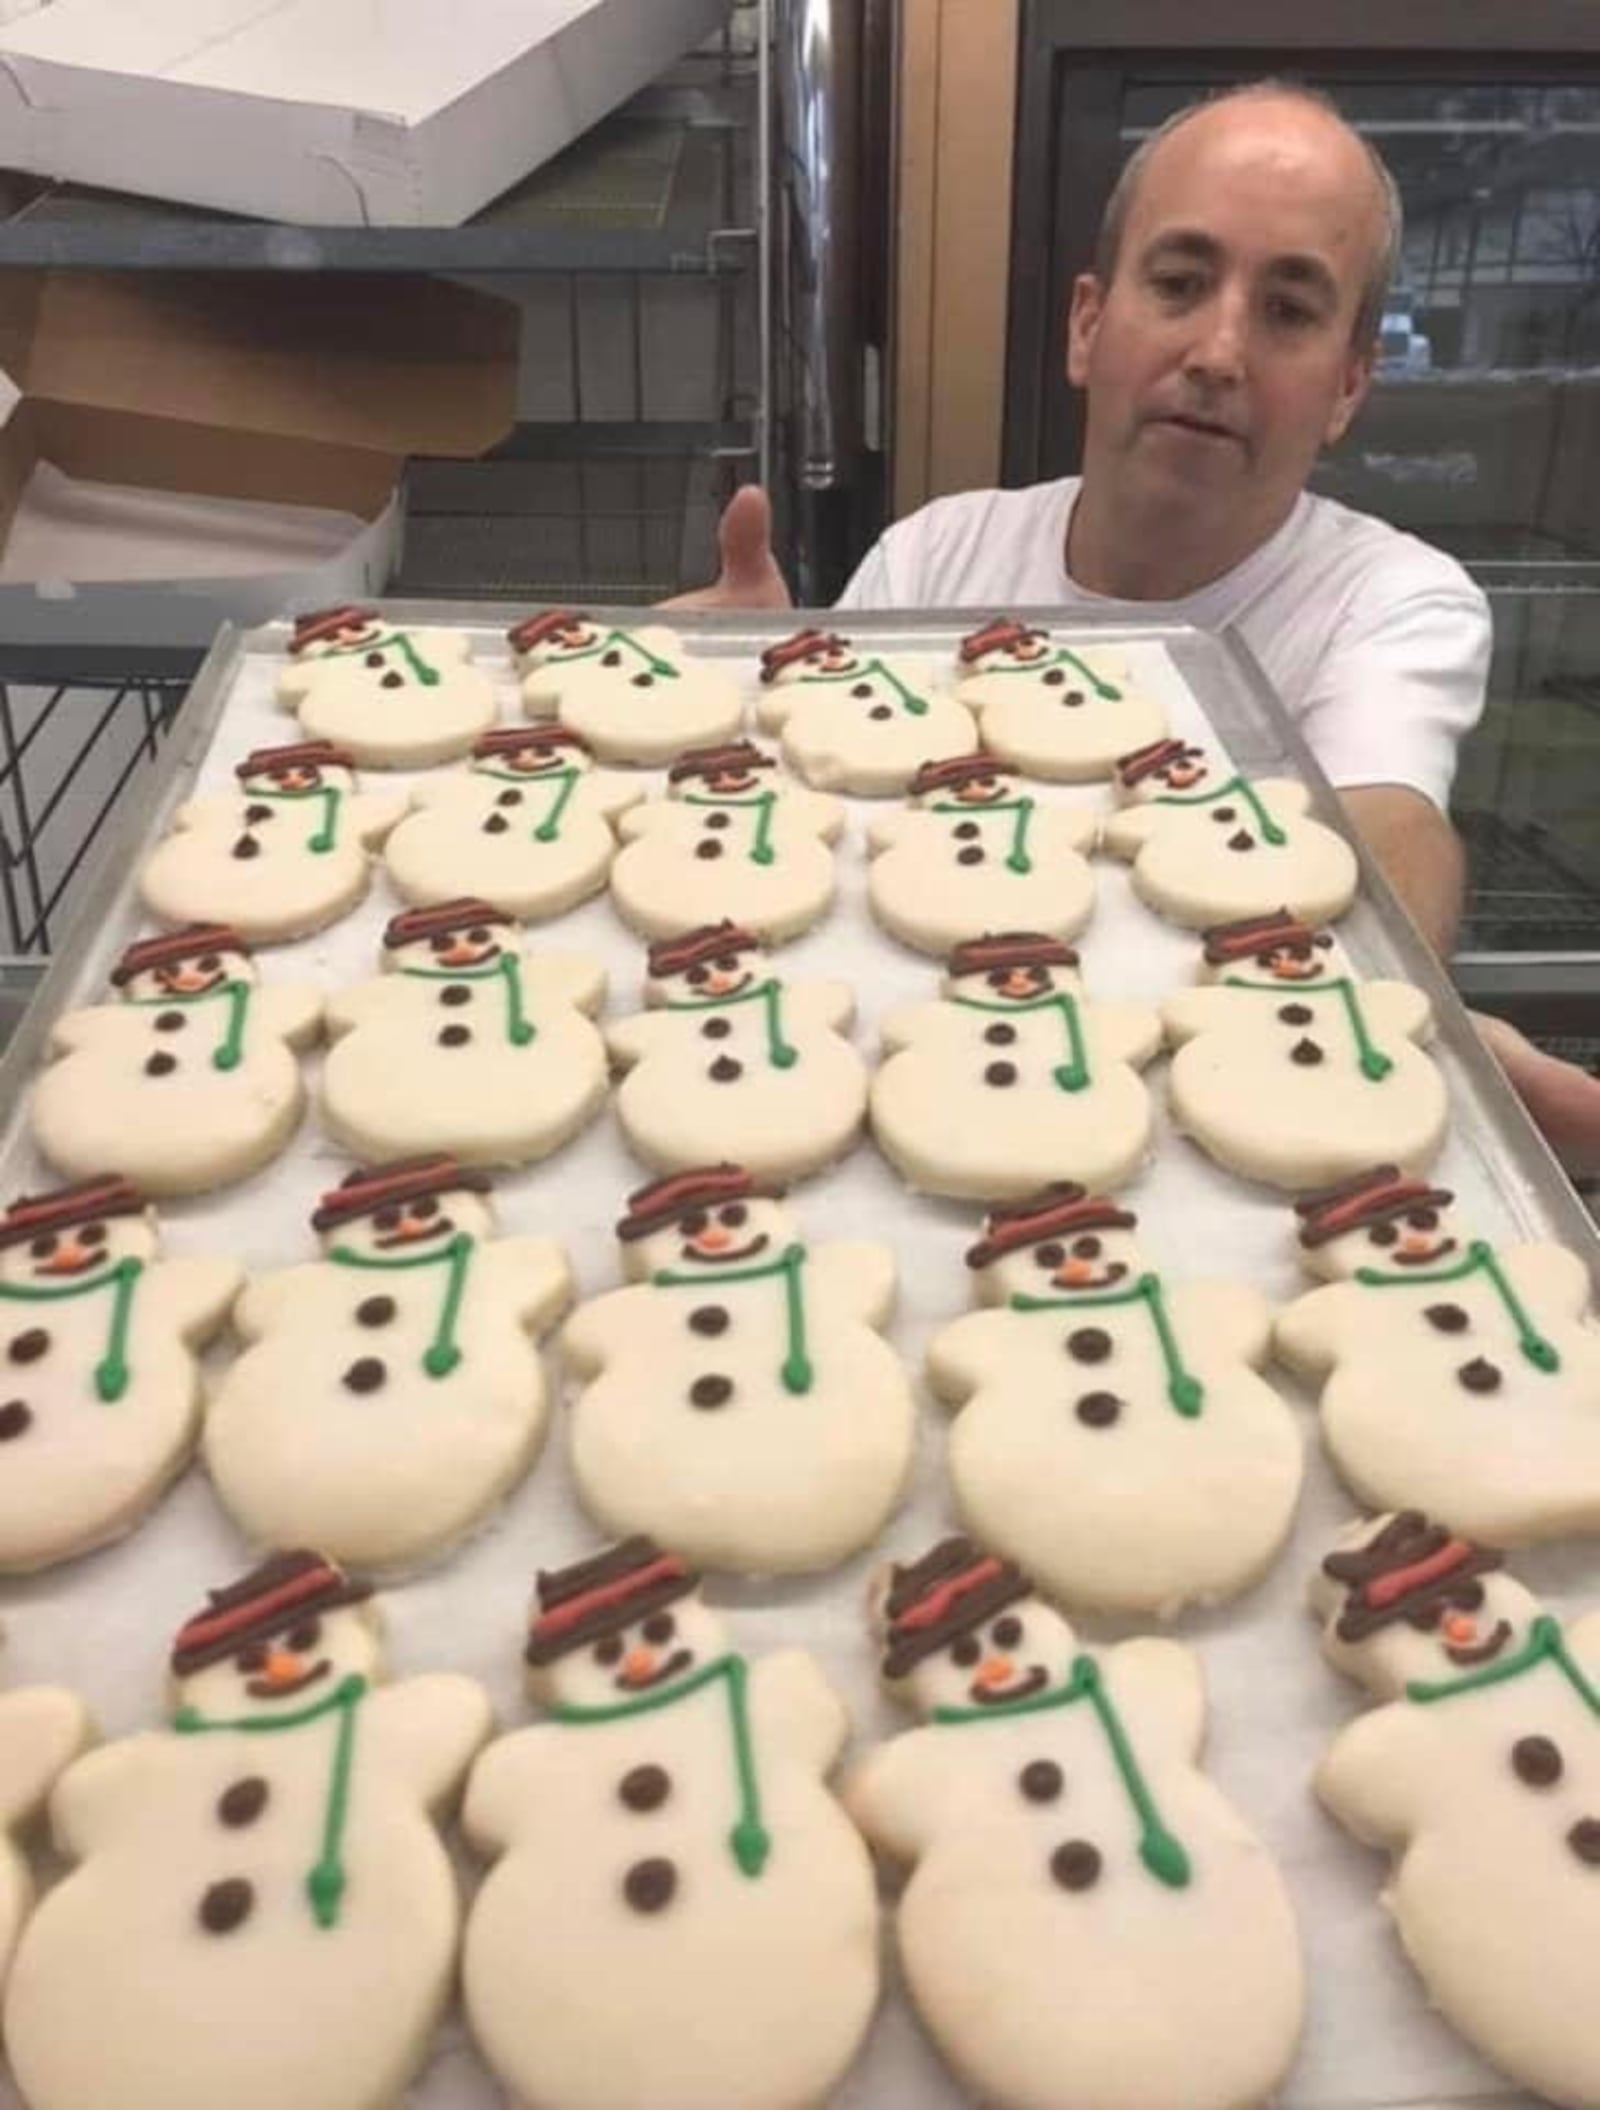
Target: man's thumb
{"points": [[744, 537]]}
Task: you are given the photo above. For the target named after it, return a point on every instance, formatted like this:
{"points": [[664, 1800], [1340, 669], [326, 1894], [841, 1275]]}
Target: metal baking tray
{"points": [[104, 1623]]}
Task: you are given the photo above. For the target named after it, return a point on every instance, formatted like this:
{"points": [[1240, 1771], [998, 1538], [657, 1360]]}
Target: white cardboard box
{"points": [[331, 112]]}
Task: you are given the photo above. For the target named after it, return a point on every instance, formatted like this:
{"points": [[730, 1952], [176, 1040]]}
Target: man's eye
{"points": [[1292, 314], [1175, 285]]}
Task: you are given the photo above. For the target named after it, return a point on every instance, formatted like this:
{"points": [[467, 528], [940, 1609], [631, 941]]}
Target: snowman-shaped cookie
{"points": [[389, 1393], [262, 1913], [1481, 1778], [852, 720], [1461, 1377], [1113, 1437], [286, 854], [974, 852], [394, 696], [635, 695], [680, 1914], [739, 1400], [467, 1044], [189, 1082], [1208, 845], [42, 1729], [527, 825], [1013, 1078], [1087, 1924], [731, 838], [1051, 709], [732, 1062], [1290, 1069], [100, 1400]]}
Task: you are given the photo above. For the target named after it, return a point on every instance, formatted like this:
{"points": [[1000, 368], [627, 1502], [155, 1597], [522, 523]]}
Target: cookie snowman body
{"points": [[1087, 1924], [741, 1404], [190, 1082], [1210, 846], [730, 839], [467, 1044], [733, 1062], [1013, 1078], [1114, 1438], [855, 720], [270, 1864], [528, 826], [285, 855], [394, 696], [635, 695], [1054, 710], [99, 1337], [1460, 1377], [680, 1911], [42, 1729], [390, 1392], [1289, 1069], [978, 852], [1480, 1776]]}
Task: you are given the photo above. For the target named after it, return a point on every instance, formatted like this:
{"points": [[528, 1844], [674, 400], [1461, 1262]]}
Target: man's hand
{"points": [[1563, 1100], [750, 577]]}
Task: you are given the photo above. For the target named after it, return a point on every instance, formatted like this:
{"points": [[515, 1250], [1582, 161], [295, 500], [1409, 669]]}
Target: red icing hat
{"points": [[952, 1589], [953, 770], [516, 739], [328, 622], [733, 758], [300, 754], [401, 1180], [1056, 1211], [1000, 634], [603, 1595], [284, 1588], [1142, 762], [1369, 1198], [86, 1201], [441, 920], [537, 629], [1010, 948], [663, 1201], [793, 651], [1403, 1568], [190, 943], [1250, 935], [709, 941]]}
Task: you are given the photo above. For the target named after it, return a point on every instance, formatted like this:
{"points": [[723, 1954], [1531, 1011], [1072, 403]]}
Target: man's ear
{"points": [[1083, 322], [1353, 385]]}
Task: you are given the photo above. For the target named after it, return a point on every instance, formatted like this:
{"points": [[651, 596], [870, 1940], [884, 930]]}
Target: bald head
{"points": [[1303, 131]]}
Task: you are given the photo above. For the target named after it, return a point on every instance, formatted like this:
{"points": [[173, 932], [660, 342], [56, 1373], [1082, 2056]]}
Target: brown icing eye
{"points": [[208, 963], [1425, 1618], [997, 977], [733, 1215], [304, 1635], [423, 1209], [478, 935], [659, 1627], [1006, 1633], [609, 1650], [1468, 1595], [697, 975], [440, 944], [92, 1234], [966, 1651], [692, 1222], [729, 963], [43, 1246], [1423, 1219], [1382, 1234], [252, 1657], [386, 1218], [1050, 1254], [1086, 1248]]}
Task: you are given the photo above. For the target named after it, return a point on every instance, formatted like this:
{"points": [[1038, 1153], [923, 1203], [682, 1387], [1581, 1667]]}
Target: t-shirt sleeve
{"points": [[1400, 687]]}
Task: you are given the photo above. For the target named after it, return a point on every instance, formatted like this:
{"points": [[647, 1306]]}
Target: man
{"points": [[1225, 335]]}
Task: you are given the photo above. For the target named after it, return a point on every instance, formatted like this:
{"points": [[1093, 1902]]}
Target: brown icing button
{"points": [[1306, 1053], [170, 1021], [366, 1374], [880, 710], [708, 848], [247, 846], [1089, 1344], [375, 1311], [644, 1788], [392, 681], [373, 659], [1072, 697], [454, 1036], [613, 658], [1536, 1761], [1296, 1014], [724, 1070], [1000, 1036], [1584, 1839], [509, 798], [717, 820], [496, 824], [1480, 1375], [862, 688], [29, 1345], [256, 814], [709, 1319], [1000, 1073], [711, 1392], [1224, 814], [1053, 677], [964, 831], [243, 1802], [644, 681], [1098, 1410], [716, 1029], [1041, 1780], [1241, 841], [649, 1885], [971, 856], [1448, 1318], [16, 1418], [1076, 1865], [160, 1065], [454, 993], [227, 1905]]}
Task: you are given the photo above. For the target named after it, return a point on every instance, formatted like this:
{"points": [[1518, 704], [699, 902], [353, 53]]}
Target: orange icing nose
{"points": [[67, 1257], [712, 1240], [637, 1665], [1073, 1274], [1460, 1628], [282, 1667], [1414, 1242], [994, 1670]]}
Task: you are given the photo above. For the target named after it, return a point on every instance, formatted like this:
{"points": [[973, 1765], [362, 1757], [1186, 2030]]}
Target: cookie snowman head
{"points": [[1003, 642], [285, 1636], [710, 1219], [806, 655], [526, 753], [970, 782], [1055, 1243], [1276, 950], [330, 630], [1165, 768], [1381, 1221], [964, 1629], [711, 964], [409, 1206], [547, 639], [1404, 1601], [626, 1624], [74, 1234], [455, 937], [1012, 967], [295, 771], [737, 769], [200, 960]]}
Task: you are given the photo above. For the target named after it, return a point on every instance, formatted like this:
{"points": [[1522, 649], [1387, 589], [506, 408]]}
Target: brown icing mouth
{"points": [[260, 1689], [743, 1252], [709, 995], [1000, 1696], [84, 1266], [677, 1663], [1481, 1651], [440, 1229], [1114, 1273], [1435, 1252]]}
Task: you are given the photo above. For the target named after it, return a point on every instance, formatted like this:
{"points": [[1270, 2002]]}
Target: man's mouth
{"points": [[1208, 428]]}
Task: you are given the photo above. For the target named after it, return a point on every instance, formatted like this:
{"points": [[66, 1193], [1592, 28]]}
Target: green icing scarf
{"points": [[421, 672], [1184, 1390], [796, 1369], [519, 1029], [761, 851], [662, 668], [1374, 1065], [1480, 1260], [226, 1054], [566, 781], [441, 1355], [1237, 787], [111, 1372], [326, 832], [911, 703], [1071, 1075], [780, 1054], [1017, 858], [1061, 657], [1545, 1644]]}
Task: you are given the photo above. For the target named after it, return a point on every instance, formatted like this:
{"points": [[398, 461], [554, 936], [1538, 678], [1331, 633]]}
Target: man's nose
{"points": [[1216, 352]]}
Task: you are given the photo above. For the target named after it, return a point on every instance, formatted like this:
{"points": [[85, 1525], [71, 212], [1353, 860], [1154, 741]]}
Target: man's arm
{"points": [[1420, 853]]}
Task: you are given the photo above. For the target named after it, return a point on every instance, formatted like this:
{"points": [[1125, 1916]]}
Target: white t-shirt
{"points": [[1377, 644]]}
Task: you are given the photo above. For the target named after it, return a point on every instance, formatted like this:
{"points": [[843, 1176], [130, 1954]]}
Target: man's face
{"points": [[1218, 361]]}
